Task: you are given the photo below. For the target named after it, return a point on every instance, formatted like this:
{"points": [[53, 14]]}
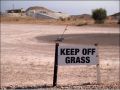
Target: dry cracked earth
{"points": [[27, 57]]}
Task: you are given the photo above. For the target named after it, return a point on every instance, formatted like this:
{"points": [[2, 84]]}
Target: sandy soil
{"points": [[27, 56], [74, 22]]}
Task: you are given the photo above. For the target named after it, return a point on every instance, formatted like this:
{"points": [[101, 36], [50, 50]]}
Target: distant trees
{"points": [[99, 15]]}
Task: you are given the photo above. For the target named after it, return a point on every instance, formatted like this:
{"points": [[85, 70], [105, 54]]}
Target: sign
{"points": [[77, 55]]}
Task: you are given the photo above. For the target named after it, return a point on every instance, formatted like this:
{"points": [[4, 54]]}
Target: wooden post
{"points": [[55, 65], [98, 69], [98, 74]]}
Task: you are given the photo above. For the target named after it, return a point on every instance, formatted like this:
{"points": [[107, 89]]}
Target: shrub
{"points": [[119, 21], [16, 19], [82, 24], [99, 15], [62, 19], [68, 18]]}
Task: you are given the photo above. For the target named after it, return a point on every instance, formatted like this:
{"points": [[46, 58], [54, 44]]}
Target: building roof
{"points": [[39, 8]]}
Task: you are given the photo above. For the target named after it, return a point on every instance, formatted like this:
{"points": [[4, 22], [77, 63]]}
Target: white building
{"points": [[41, 12], [15, 12]]}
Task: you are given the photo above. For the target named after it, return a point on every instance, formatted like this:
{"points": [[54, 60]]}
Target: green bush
{"points": [[99, 15]]}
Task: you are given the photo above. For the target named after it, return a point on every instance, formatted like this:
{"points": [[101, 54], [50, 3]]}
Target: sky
{"points": [[69, 7]]}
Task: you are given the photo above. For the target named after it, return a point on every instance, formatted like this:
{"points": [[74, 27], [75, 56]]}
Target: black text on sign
{"points": [[77, 55]]}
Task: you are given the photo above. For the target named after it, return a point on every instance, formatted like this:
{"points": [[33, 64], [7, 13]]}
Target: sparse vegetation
{"points": [[68, 18], [16, 19], [119, 21], [77, 21], [99, 15], [62, 19], [81, 24]]}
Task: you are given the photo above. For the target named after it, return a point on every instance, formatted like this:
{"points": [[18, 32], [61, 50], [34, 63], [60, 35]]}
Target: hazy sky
{"points": [[70, 7]]}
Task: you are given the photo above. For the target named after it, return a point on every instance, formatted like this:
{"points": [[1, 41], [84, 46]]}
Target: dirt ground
{"points": [[73, 22], [27, 56]]}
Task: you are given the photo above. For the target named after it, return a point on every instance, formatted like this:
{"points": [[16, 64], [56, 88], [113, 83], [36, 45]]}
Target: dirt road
{"points": [[27, 55]]}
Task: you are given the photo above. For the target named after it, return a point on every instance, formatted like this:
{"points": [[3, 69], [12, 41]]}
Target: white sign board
{"points": [[77, 55]]}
